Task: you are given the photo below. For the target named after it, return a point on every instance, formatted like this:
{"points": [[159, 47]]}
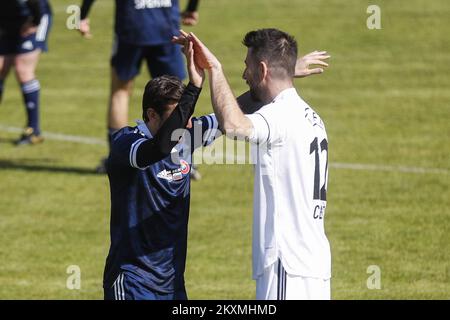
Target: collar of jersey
{"points": [[289, 92], [143, 128]]}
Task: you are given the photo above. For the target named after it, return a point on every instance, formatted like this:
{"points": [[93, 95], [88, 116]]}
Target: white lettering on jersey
{"points": [[167, 175], [176, 174], [313, 118], [151, 4]]}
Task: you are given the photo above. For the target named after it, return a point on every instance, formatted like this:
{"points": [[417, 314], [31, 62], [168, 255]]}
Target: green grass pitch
{"points": [[385, 101]]}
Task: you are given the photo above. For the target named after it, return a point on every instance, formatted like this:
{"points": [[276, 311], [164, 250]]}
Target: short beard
{"points": [[255, 94]]}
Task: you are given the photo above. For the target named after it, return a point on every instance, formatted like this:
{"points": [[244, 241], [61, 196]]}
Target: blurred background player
{"points": [[24, 28], [143, 31]]}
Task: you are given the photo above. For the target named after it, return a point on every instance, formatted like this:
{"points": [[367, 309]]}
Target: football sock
{"points": [[30, 92]]}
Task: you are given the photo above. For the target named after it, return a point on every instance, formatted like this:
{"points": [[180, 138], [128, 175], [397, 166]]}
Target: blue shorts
{"points": [[11, 44], [164, 59], [127, 288]]}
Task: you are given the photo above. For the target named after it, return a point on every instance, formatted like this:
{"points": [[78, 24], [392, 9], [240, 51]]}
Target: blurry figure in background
{"points": [[24, 28], [143, 31]]}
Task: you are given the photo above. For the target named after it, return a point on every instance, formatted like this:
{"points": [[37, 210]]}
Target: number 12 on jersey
{"points": [[320, 170]]}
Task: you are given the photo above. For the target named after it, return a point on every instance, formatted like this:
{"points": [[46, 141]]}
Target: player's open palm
{"points": [[303, 65], [196, 75]]}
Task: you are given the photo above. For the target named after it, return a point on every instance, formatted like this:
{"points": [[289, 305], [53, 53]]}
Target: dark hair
{"points": [[276, 47], [159, 93]]}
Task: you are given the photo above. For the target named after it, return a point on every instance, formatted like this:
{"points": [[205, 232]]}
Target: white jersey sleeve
{"points": [[267, 125], [261, 129]]}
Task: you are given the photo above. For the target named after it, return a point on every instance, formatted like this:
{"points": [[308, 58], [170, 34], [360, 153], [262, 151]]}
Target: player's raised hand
{"points": [[196, 75], [189, 18], [85, 28], [203, 58], [302, 67], [181, 39]]}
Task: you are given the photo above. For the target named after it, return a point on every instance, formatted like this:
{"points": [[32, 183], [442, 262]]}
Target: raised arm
{"points": [[231, 118], [161, 145]]}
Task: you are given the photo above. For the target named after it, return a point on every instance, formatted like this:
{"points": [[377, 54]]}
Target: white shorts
{"points": [[276, 284]]}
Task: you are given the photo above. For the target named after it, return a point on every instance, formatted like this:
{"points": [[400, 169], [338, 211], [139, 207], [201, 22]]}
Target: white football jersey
{"points": [[290, 152]]}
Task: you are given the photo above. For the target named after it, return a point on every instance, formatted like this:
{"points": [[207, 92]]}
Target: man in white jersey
{"points": [[291, 253]]}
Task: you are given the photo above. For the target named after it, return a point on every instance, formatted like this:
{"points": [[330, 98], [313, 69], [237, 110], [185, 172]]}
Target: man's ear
{"points": [[263, 70], [151, 114]]}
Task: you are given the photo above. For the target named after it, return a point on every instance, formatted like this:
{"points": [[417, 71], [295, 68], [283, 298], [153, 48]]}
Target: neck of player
{"points": [[274, 88]]}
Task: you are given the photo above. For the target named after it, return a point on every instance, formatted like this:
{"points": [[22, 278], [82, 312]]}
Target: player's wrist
{"points": [[193, 87], [197, 84], [215, 67], [195, 80]]}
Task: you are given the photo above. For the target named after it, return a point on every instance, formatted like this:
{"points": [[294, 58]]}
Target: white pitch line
{"points": [[376, 167], [59, 136], [336, 165], [341, 165]]}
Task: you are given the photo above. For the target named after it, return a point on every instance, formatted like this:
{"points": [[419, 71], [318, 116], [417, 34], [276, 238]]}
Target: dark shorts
{"points": [[165, 59], [127, 288], [14, 43]]}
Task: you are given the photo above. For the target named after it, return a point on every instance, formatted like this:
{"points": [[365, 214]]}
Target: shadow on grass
{"points": [[8, 141], [39, 166]]}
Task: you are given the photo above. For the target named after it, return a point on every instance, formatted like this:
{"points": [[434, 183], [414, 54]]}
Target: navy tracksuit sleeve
{"points": [[204, 131], [132, 148], [156, 149]]}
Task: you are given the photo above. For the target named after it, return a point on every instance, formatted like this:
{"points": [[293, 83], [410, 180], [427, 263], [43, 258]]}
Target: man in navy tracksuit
{"points": [[149, 178]]}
